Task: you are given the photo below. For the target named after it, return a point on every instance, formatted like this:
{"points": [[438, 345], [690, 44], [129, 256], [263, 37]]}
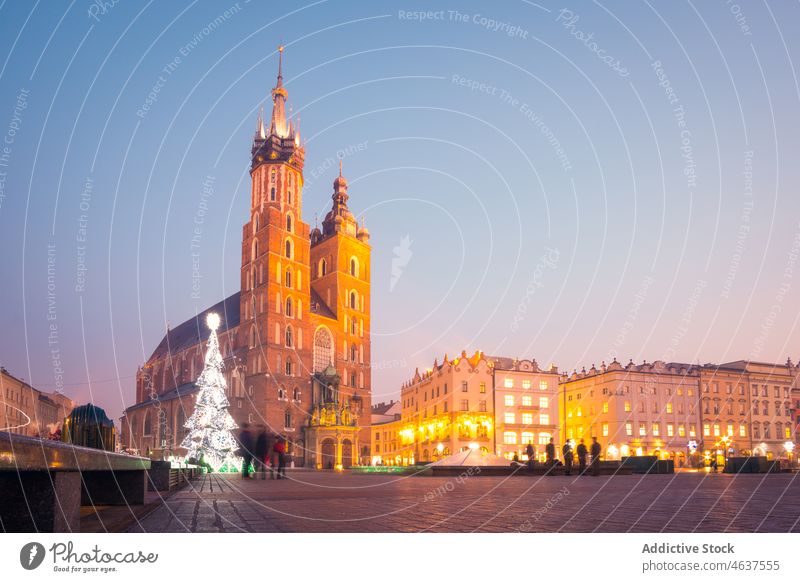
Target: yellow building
{"points": [[448, 408], [27, 411], [647, 409]]}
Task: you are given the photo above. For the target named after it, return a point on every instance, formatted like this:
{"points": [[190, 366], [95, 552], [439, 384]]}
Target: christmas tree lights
{"points": [[210, 438]]}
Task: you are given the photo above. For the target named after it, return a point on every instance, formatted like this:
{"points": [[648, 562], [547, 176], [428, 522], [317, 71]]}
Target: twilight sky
{"points": [[568, 181]]}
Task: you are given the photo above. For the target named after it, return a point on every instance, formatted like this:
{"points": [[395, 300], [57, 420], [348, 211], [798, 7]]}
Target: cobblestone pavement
{"points": [[341, 502]]}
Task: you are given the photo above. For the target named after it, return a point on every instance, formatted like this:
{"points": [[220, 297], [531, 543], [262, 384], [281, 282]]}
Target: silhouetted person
{"points": [[261, 451], [582, 452], [516, 458], [567, 452], [595, 457], [550, 451], [246, 449], [531, 452], [280, 450]]}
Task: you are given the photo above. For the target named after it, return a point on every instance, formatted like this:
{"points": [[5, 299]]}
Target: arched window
{"points": [[254, 252], [323, 349], [180, 420], [354, 326], [289, 366], [288, 249], [288, 277], [272, 194], [253, 280], [162, 428], [353, 379], [322, 268], [353, 300], [289, 337], [289, 197], [296, 394], [288, 307], [281, 393], [353, 353], [148, 424], [289, 222], [255, 223], [253, 336], [354, 267]]}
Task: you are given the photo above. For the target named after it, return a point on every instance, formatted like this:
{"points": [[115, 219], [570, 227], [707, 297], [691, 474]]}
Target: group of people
{"points": [[264, 452], [569, 456]]}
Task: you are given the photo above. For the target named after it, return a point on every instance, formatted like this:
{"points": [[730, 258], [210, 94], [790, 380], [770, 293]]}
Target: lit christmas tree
{"points": [[210, 425]]}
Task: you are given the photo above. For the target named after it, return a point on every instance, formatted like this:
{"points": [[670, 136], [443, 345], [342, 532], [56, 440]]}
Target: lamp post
{"points": [[725, 441], [439, 449]]}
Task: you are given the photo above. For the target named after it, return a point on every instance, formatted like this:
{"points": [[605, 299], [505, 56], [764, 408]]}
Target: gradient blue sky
{"points": [[639, 260]]}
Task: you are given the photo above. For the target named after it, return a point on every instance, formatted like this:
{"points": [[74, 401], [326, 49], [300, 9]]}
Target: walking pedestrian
{"points": [[595, 457], [261, 452], [550, 451], [582, 452], [280, 449], [531, 452], [246, 449], [568, 458]]}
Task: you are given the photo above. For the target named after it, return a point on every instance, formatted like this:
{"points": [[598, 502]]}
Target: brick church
{"points": [[295, 339]]}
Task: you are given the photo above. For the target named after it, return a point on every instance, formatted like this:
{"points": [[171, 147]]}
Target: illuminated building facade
{"points": [[448, 408], [681, 411], [296, 338], [526, 408], [647, 409], [27, 411]]}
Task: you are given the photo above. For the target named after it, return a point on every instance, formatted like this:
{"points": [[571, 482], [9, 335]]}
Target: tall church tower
{"points": [[275, 276], [341, 270]]}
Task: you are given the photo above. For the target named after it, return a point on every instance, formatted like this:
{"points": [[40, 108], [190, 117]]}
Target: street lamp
{"points": [[440, 448]]}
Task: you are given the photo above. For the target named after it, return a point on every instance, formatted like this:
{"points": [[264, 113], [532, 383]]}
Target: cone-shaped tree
{"points": [[210, 425]]}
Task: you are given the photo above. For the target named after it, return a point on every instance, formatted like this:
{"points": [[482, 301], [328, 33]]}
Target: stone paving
{"points": [[342, 502]]}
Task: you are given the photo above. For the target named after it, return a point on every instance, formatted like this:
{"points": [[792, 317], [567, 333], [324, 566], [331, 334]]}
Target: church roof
{"points": [[193, 331], [182, 391], [319, 306]]}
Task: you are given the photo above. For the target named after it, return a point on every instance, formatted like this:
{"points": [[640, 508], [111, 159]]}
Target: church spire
{"points": [[279, 126]]}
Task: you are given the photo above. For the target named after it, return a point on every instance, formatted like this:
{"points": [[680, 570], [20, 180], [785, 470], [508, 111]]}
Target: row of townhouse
{"points": [[685, 412]]}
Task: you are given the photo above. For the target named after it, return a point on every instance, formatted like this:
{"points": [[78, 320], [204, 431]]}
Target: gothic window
{"points": [[254, 252], [253, 337], [255, 224], [288, 277], [272, 176], [180, 420], [353, 300], [353, 326], [288, 307], [323, 349], [288, 249], [162, 428], [281, 393], [287, 420], [289, 222], [353, 379], [148, 425], [253, 280], [272, 194], [353, 352], [288, 366], [296, 395], [322, 268], [289, 337], [289, 197]]}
